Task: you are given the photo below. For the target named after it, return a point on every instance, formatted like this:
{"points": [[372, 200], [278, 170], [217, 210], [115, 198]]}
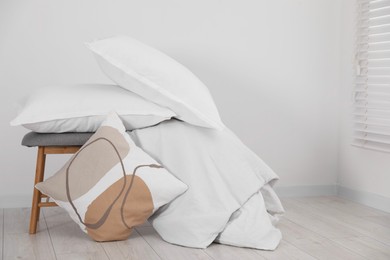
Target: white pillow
{"points": [[157, 77], [82, 108]]}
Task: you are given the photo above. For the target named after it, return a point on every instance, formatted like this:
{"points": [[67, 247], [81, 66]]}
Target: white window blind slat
{"points": [[378, 4], [371, 13], [372, 22], [372, 112], [380, 96], [376, 55], [371, 115], [363, 47], [373, 5], [372, 107], [376, 146], [376, 38], [367, 79], [364, 120], [374, 63], [379, 130], [373, 137], [364, 115], [376, 30], [373, 86], [375, 71]]}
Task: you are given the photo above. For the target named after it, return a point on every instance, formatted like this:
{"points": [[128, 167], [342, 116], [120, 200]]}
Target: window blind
{"points": [[371, 115]]}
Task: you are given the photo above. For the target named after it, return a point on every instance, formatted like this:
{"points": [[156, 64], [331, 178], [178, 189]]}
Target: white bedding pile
{"points": [[230, 199], [229, 196]]}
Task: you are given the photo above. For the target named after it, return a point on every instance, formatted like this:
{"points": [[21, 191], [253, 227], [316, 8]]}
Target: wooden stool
{"points": [[37, 203], [66, 143]]}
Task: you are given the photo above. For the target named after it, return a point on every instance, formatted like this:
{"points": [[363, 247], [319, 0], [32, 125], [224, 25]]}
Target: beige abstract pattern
{"points": [[125, 213], [90, 163]]}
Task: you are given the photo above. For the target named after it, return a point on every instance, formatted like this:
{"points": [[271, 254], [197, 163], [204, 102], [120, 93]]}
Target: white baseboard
{"points": [[16, 201], [306, 191], [366, 198]]}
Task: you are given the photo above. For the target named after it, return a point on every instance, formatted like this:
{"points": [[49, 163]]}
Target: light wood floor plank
{"points": [[351, 207], [68, 239], [18, 244], [134, 248], [285, 251], [381, 220], [218, 251], [1, 233], [80, 256], [347, 219], [168, 251], [314, 244], [367, 247], [316, 223]]}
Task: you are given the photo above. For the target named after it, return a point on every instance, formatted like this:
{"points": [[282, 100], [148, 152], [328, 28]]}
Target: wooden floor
{"points": [[313, 228]]}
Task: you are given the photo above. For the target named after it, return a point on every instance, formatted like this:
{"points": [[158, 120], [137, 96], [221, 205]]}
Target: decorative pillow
{"points": [[82, 108], [110, 185], [158, 78]]}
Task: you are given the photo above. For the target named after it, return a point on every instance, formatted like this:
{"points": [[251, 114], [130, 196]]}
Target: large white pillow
{"points": [[83, 108], [157, 77]]}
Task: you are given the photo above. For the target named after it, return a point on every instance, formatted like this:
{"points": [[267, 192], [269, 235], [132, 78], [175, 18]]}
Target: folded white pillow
{"points": [[157, 77], [83, 108]]}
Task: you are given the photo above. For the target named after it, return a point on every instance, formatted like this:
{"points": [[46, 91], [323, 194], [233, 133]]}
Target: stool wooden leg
{"points": [[39, 174]]}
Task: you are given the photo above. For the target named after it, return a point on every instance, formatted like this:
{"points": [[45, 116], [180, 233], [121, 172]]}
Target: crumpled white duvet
{"points": [[230, 198]]}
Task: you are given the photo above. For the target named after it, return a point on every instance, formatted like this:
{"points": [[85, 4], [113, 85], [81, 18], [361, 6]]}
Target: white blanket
{"points": [[230, 196]]}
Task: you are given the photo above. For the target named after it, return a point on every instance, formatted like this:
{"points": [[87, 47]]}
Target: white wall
{"points": [[365, 171], [269, 64]]}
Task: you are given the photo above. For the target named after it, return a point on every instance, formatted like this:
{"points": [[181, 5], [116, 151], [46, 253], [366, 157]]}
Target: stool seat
{"points": [[33, 139]]}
